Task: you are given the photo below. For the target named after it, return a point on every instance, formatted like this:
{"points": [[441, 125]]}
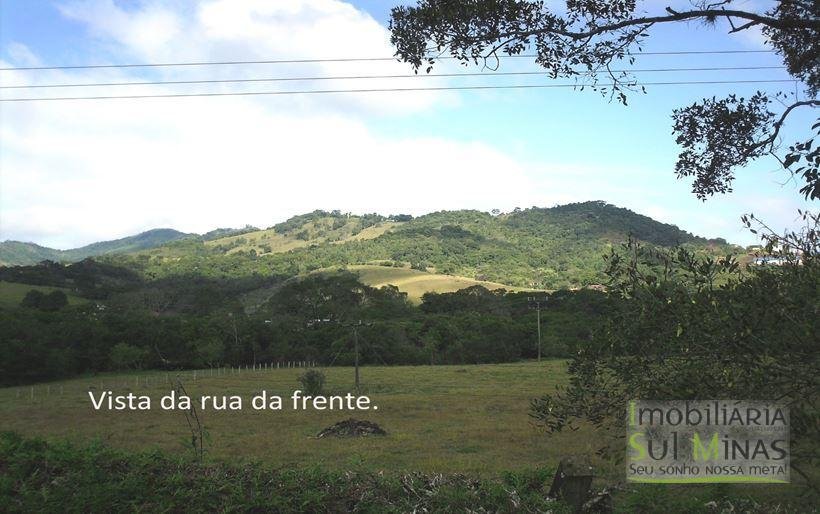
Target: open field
{"points": [[442, 419], [439, 419], [415, 283], [12, 293]]}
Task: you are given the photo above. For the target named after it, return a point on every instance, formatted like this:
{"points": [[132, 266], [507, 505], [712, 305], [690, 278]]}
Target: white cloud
{"points": [[77, 172], [22, 55], [259, 30], [114, 168], [146, 32]]}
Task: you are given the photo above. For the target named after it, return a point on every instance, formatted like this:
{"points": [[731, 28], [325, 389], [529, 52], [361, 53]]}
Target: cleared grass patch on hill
{"points": [[314, 232], [415, 283], [373, 232], [256, 240], [12, 293], [438, 418]]}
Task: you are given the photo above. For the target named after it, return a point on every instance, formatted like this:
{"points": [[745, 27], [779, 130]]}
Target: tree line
{"points": [[187, 323]]}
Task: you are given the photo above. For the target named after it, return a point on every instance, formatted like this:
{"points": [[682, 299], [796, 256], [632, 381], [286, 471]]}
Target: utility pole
{"points": [[356, 351], [538, 322], [355, 326], [535, 303], [236, 334]]}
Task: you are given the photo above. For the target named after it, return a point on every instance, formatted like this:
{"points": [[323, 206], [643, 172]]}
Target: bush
{"points": [[50, 302], [313, 382], [700, 328], [32, 299], [59, 476], [126, 356]]}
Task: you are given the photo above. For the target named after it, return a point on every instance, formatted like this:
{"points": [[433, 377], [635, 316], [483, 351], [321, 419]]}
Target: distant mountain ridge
{"points": [[536, 248], [17, 253]]}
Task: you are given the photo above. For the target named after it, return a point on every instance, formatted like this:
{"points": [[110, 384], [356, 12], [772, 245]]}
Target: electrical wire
{"points": [[357, 77], [341, 59], [384, 90]]}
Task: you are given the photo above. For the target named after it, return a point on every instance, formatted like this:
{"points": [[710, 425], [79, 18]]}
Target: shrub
{"points": [[126, 356], [51, 302], [33, 299], [313, 382]]}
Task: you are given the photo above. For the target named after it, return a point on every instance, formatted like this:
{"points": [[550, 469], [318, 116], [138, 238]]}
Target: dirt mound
{"points": [[352, 428]]}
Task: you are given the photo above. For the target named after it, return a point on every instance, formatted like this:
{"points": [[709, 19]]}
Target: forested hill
{"points": [[16, 253], [546, 248]]}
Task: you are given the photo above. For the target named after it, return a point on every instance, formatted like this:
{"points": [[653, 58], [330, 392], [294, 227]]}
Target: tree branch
{"points": [[674, 16], [779, 123], [743, 27]]}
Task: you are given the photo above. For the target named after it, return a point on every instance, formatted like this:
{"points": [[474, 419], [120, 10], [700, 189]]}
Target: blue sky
{"points": [[77, 172]]}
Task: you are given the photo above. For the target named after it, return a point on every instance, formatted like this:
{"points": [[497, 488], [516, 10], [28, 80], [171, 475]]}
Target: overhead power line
{"points": [[341, 59], [384, 90], [357, 77]]}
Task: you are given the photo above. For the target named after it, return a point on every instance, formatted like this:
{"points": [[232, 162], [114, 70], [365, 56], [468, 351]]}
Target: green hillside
{"points": [[312, 231], [539, 248], [536, 248], [278, 293], [16, 253], [149, 239]]}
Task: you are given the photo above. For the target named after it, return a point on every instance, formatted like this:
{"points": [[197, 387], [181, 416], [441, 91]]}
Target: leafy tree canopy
{"points": [[52, 301], [582, 41]]}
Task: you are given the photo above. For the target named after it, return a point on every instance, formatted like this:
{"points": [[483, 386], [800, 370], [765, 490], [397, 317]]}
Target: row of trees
{"points": [[199, 325]]}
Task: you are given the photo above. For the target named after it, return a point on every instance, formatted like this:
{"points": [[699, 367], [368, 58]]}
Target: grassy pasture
{"points": [[439, 419], [318, 232], [442, 419], [12, 293], [415, 283]]}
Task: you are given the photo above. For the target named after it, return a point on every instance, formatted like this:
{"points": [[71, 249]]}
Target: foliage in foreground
{"points": [[678, 335], [581, 39], [36, 476]]}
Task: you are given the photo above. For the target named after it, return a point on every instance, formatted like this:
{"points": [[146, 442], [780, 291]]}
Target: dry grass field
{"points": [[415, 283]]}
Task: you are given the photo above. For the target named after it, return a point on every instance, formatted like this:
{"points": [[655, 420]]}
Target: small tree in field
{"points": [[313, 382], [32, 299], [50, 302]]}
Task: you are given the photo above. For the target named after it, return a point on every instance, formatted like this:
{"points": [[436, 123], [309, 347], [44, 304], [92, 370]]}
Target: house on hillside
{"points": [[769, 260]]}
